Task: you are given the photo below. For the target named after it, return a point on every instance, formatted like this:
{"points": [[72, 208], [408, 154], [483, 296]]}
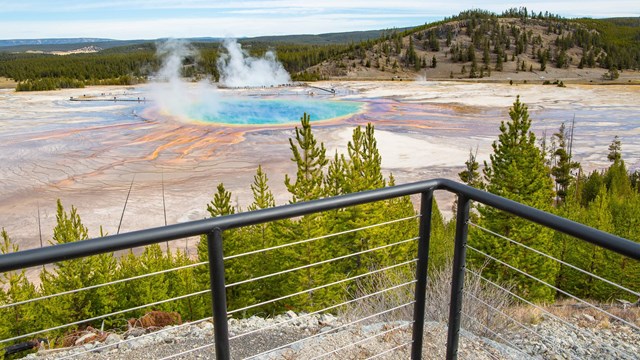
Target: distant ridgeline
{"points": [[480, 41]]}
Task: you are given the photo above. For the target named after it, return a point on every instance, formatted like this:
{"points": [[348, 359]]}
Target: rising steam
{"points": [[238, 69], [175, 96]]}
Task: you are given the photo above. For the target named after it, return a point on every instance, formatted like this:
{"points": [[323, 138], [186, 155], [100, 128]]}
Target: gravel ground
{"points": [[303, 337]]}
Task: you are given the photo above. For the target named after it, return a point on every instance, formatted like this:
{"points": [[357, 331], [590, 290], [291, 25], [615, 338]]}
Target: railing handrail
{"points": [[110, 243]]}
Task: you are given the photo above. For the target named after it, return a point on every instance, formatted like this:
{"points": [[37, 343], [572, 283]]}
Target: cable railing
{"points": [[227, 341], [362, 341], [599, 278], [97, 286], [563, 292], [553, 342], [497, 334]]}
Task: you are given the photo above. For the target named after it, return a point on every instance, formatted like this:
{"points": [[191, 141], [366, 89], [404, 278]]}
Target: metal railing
{"points": [[214, 229]]}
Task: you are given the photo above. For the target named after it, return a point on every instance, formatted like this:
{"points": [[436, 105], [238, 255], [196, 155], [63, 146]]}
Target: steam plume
{"points": [[175, 96], [178, 98], [238, 69]]}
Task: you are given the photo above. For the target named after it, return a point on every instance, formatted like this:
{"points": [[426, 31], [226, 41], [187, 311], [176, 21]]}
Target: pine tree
{"points": [[14, 287], [518, 172], [592, 258], [605, 201], [615, 150], [262, 236], [563, 165], [473, 73], [221, 203], [486, 57], [399, 208], [561, 60], [262, 196], [499, 62], [543, 62], [234, 243], [625, 214], [184, 282], [470, 174], [590, 187], [335, 182], [145, 290], [76, 274], [616, 178], [310, 159], [566, 245], [363, 171]]}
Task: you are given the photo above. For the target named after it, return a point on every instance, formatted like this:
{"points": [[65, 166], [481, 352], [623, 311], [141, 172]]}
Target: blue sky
{"points": [[150, 19]]}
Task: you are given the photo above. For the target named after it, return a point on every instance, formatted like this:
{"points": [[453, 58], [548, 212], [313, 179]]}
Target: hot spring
{"points": [[252, 111], [204, 103]]}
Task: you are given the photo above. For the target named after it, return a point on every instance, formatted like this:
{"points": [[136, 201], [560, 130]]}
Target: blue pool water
{"points": [[272, 111]]}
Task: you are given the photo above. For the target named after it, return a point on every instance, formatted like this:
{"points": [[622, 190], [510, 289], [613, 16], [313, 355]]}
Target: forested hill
{"points": [[515, 45], [480, 44], [324, 39]]}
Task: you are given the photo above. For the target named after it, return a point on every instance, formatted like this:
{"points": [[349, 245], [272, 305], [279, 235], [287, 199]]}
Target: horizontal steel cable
{"points": [[319, 237], [320, 262], [529, 329], [193, 294], [101, 285], [324, 310], [361, 341], [557, 318], [166, 329], [389, 350], [556, 259], [555, 288], [332, 330], [107, 315], [320, 287], [3, 306], [302, 316], [495, 333]]}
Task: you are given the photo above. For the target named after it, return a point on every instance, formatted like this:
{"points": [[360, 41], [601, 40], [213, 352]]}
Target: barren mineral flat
{"points": [[88, 153]]}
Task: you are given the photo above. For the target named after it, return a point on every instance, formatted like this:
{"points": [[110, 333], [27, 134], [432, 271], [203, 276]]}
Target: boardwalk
{"points": [[109, 98]]}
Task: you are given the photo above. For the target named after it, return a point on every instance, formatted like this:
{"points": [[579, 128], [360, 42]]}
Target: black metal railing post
{"points": [[426, 204], [457, 281], [218, 294]]}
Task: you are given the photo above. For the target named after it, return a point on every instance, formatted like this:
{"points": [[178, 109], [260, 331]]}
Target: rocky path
{"points": [[327, 337]]}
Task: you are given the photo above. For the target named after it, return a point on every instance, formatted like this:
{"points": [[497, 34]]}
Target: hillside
{"points": [[482, 45]]}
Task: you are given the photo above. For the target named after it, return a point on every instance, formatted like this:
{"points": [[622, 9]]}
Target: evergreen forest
{"points": [[521, 167]]}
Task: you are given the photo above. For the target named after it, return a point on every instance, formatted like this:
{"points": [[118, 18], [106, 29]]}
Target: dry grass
{"points": [[380, 302], [578, 313], [480, 301], [526, 314], [587, 316]]}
